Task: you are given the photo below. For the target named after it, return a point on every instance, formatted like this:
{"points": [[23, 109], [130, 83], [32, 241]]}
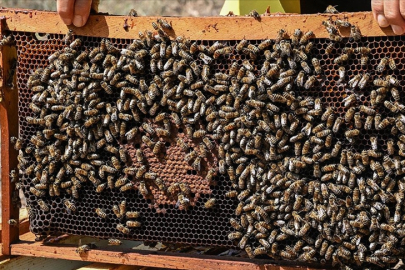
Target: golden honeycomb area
{"points": [[299, 140]]}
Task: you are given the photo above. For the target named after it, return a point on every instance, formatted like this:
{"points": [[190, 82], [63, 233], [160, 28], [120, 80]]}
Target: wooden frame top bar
{"points": [[195, 28]]}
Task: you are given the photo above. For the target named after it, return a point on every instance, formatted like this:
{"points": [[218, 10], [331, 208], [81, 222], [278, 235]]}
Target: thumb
{"points": [[82, 11]]}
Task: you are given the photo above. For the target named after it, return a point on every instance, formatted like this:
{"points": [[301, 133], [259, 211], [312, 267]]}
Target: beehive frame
{"points": [[217, 28]]}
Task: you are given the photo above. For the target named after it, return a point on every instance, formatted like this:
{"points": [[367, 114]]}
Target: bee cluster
{"points": [[310, 194], [304, 190]]}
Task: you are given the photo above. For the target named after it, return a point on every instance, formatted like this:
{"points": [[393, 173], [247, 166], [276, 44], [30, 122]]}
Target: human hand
{"points": [[74, 12], [390, 12]]}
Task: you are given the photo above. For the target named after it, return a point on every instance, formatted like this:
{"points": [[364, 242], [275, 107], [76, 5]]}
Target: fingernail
{"points": [[398, 30], [382, 21], [67, 21], [78, 21]]}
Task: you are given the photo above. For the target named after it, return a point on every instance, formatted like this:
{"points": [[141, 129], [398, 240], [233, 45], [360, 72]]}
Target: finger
{"points": [[65, 10], [82, 11], [378, 11], [394, 17], [402, 8]]}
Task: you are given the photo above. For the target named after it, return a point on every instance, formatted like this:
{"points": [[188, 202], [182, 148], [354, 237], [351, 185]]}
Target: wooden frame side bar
{"points": [[24, 227], [9, 127], [201, 28], [147, 258]]}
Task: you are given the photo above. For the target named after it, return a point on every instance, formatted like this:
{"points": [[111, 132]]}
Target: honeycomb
{"points": [[162, 220]]}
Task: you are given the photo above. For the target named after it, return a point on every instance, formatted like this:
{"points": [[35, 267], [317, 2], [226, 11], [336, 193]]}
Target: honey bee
{"points": [[143, 189], [210, 175], [340, 59], [148, 141], [231, 194], [13, 176], [36, 192], [357, 120], [352, 133], [197, 164], [398, 124], [304, 39], [235, 235], [101, 213], [369, 122], [183, 201], [331, 9], [329, 48], [158, 148], [364, 60], [17, 143], [222, 51], [83, 249], [70, 206], [116, 211], [257, 251], [114, 242], [391, 64], [43, 206], [381, 83], [395, 93], [210, 203], [391, 106], [155, 26], [355, 33], [164, 24], [390, 147], [173, 188], [133, 224], [296, 36], [123, 229], [199, 133], [381, 66], [235, 224], [147, 128], [317, 66], [310, 82], [341, 23], [241, 45], [254, 14], [364, 80], [132, 214], [68, 36], [66, 184], [367, 110]]}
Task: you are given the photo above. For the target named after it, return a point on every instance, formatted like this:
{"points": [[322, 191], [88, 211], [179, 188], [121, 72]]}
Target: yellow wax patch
{"points": [[243, 7]]}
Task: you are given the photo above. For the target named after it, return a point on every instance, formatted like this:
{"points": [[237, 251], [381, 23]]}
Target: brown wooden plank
{"points": [[108, 266], [292, 268], [130, 257], [202, 28], [33, 263], [24, 227], [9, 127]]}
